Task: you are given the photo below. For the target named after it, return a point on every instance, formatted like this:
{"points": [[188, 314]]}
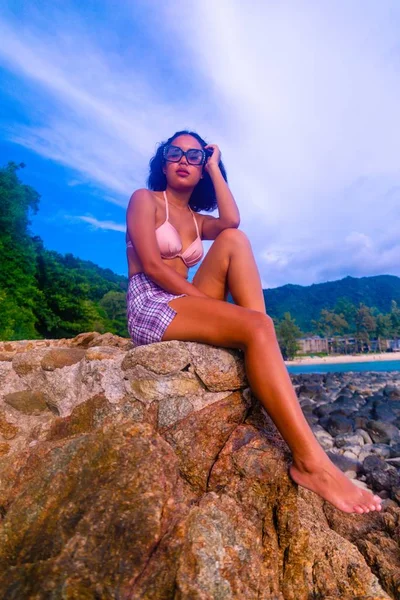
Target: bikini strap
{"points": [[195, 221], [166, 204]]}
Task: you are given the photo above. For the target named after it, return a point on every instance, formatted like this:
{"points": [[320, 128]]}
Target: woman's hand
{"points": [[213, 160]]}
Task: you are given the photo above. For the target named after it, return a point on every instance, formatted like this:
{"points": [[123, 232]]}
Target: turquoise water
{"points": [[383, 365]]}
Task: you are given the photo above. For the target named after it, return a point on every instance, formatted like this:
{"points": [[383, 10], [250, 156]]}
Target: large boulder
{"points": [[154, 473]]}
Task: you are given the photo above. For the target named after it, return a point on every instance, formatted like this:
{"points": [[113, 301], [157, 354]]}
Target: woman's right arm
{"points": [[141, 225]]}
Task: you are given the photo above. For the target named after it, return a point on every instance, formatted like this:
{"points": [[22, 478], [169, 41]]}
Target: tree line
{"points": [[345, 320], [44, 294]]}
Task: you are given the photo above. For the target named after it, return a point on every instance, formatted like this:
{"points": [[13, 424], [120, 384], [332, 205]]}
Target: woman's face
{"points": [[182, 174]]}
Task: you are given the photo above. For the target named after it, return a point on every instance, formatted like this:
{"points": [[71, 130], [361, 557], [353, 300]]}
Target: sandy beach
{"points": [[344, 358]]}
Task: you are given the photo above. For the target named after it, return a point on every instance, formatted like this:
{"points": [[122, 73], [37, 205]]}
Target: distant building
{"points": [[345, 345], [393, 345], [312, 344]]}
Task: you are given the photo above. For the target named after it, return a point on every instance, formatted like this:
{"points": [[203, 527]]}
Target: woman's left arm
{"points": [[227, 208]]}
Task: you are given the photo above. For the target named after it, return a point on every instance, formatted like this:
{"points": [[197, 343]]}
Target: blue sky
{"points": [[301, 96]]}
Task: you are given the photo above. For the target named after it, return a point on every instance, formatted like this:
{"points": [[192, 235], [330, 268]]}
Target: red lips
{"points": [[182, 172]]}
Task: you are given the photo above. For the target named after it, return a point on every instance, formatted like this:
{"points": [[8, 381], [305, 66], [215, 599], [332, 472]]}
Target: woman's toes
{"points": [[359, 509], [376, 503]]}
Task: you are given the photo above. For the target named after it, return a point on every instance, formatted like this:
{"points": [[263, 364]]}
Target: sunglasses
{"points": [[193, 155]]}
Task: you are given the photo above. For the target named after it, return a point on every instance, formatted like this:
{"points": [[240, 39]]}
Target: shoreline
{"points": [[344, 358]]}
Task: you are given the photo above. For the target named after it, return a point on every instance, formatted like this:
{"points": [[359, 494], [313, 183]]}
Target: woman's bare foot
{"points": [[326, 480]]}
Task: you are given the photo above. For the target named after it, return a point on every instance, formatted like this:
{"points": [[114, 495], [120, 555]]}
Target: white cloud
{"points": [[360, 240], [111, 225], [301, 97]]}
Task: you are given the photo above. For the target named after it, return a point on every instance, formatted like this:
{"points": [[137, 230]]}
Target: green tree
{"points": [[347, 310], [288, 335], [42, 293], [114, 305], [395, 319], [18, 288], [365, 325], [17, 201], [383, 328], [331, 323]]}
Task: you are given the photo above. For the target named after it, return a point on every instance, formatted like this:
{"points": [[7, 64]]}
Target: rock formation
{"points": [[153, 473]]}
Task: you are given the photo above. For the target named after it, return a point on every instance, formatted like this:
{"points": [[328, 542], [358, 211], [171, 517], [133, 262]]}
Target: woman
{"points": [[164, 233]]}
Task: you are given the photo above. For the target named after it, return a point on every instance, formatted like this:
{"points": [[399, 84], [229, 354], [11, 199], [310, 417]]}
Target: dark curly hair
{"points": [[203, 195]]}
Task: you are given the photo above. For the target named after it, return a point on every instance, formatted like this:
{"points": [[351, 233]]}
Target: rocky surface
{"points": [[153, 473], [356, 419]]}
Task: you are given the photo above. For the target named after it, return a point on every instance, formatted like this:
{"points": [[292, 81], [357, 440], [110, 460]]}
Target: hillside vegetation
{"points": [[305, 303], [42, 293]]}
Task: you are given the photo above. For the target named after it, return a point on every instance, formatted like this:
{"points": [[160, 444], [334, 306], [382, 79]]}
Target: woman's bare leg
{"points": [[271, 384], [223, 324], [230, 264]]}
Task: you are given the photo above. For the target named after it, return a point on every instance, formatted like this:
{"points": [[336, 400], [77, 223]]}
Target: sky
{"points": [[301, 96]]}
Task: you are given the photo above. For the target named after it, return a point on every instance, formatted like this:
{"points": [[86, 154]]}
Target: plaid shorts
{"points": [[148, 311]]}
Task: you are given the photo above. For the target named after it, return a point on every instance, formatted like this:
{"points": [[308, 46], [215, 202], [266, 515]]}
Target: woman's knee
{"points": [[233, 236], [260, 327]]}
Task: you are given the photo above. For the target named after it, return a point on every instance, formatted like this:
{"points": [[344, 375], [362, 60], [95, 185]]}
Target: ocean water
{"points": [[382, 365]]}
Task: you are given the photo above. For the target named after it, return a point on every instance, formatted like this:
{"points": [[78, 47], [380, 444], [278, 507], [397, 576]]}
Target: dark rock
{"points": [[324, 409], [376, 398], [394, 406], [381, 432], [358, 399], [384, 480], [308, 410], [383, 412], [311, 419], [344, 463], [345, 392], [347, 403], [392, 392], [365, 411], [382, 450], [349, 441], [306, 403], [346, 411], [360, 422], [323, 421], [310, 389], [373, 463], [339, 424], [323, 397], [395, 450]]}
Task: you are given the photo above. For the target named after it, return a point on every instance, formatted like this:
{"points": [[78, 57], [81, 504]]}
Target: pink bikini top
{"points": [[170, 243]]}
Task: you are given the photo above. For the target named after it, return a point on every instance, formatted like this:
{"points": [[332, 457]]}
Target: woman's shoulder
{"points": [[143, 194]]}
